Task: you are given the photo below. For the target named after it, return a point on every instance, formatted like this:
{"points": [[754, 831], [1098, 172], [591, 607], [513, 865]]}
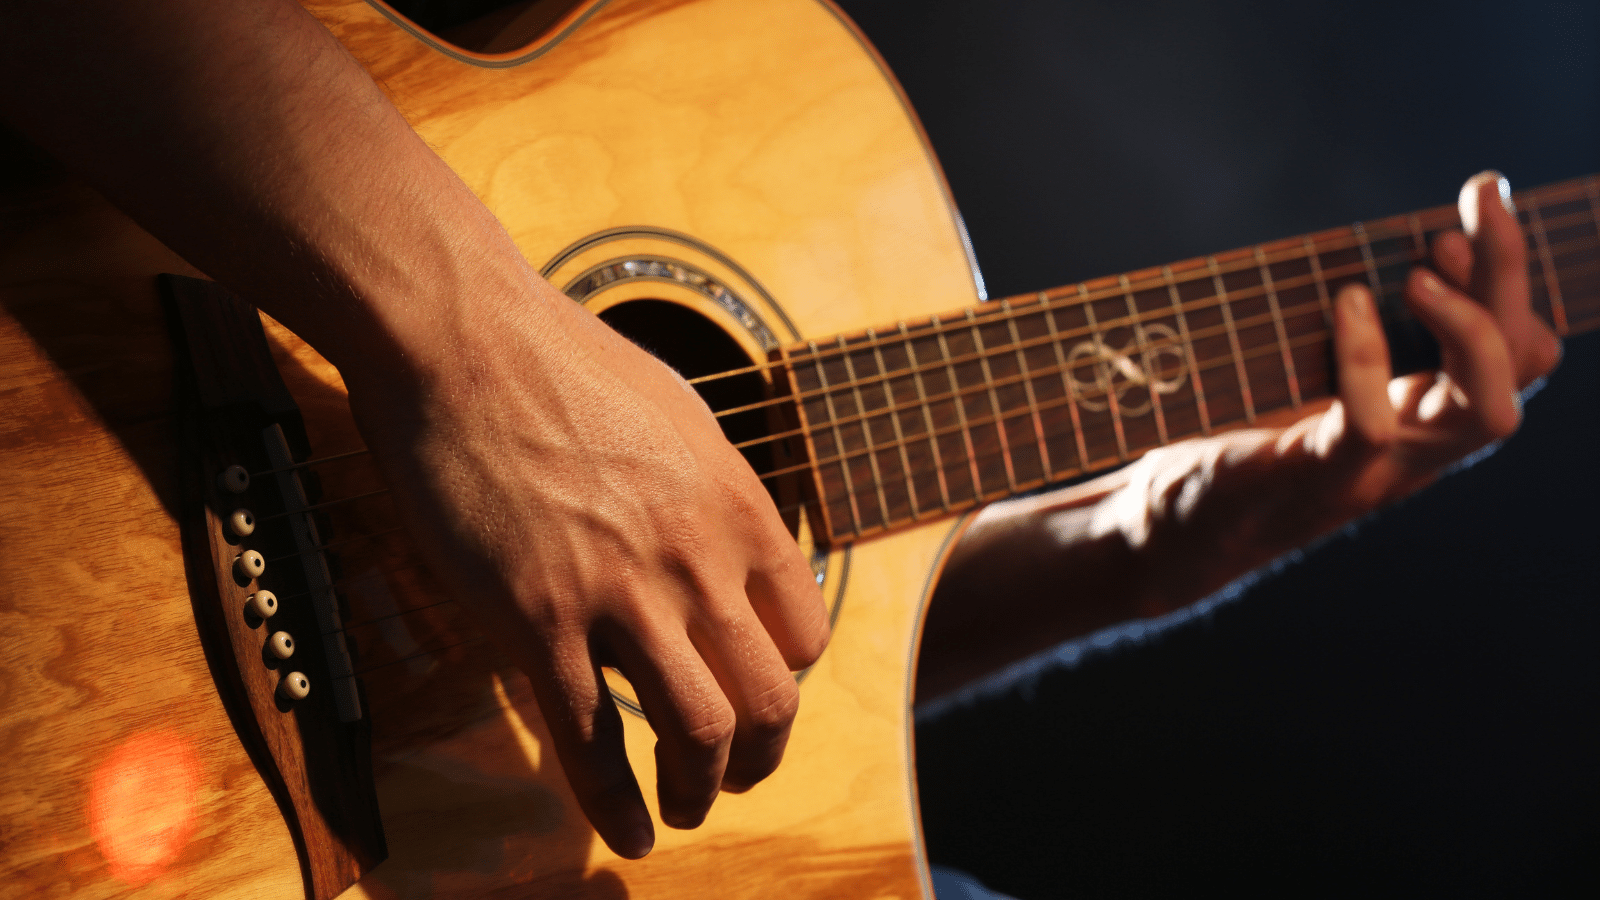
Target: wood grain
{"points": [[768, 132]]}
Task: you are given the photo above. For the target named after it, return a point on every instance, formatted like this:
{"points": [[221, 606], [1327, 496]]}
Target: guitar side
{"points": [[770, 139]]}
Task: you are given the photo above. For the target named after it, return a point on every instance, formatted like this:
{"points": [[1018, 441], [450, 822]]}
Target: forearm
{"points": [[1147, 540], [246, 138], [1187, 519]]}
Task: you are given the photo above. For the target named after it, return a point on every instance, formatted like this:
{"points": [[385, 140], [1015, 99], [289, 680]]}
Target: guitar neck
{"points": [[921, 420]]}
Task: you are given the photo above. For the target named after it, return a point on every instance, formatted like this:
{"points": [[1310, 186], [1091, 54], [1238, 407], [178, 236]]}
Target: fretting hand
{"points": [[1186, 519]]}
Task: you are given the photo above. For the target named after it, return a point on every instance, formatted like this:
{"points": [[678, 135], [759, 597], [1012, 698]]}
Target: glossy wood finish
{"points": [[770, 134], [910, 422]]}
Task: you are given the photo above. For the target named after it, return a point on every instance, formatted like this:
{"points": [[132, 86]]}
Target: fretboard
{"points": [[920, 420]]}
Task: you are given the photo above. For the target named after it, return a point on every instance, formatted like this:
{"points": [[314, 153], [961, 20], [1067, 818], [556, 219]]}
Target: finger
{"points": [[1452, 256], [693, 721], [587, 732], [759, 685], [1362, 355], [783, 592], [1500, 277], [1474, 353]]}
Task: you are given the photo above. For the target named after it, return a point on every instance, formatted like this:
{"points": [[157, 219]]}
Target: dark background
{"points": [[1410, 710]]}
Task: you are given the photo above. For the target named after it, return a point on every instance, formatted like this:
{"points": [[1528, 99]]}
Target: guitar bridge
{"points": [[263, 595]]}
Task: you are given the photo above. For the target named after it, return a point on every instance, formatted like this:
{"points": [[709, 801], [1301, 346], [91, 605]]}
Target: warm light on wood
{"points": [[142, 804]]}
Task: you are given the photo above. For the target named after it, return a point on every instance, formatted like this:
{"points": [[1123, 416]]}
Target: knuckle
{"points": [[711, 730], [774, 708]]}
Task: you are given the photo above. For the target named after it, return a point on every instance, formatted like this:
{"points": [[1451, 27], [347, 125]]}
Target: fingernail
{"points": [[1504, 187], [1355, 302]]}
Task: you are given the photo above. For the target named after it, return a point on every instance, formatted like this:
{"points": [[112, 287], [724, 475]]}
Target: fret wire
{"points": [[866, 429], [1419, 242], [994, 399], [1188, 351], [818, 501], [1319, 278], [961, 414], [1233, 340], [1319, 281], [1066, 381], [1283, 330], [927, 416], [1445, 216], [894, 420], [1212, 331], [1197, 305], [1419, 239], [1360, 231], [1541, 244], [1103, 369], [1106, 462], [1575, 244], [838, 441], [1295, 343], [1027, 386], [1146, 358]]}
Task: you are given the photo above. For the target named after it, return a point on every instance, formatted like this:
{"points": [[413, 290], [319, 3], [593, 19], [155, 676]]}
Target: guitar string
{"points": [[335, 586], [320, 548], [1375, 233], [903, 478], [1302, 339], [1048, 372], [432, 651], [998, 420], [1063, 303], [906, 480], [1053, 371], [963, 326]]}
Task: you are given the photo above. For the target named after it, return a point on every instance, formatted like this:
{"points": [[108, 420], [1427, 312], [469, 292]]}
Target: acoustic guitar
{"points": [[742, 188]]}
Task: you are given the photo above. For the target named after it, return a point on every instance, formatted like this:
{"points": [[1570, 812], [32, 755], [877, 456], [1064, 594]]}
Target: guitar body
{"points": [[752, 166]]}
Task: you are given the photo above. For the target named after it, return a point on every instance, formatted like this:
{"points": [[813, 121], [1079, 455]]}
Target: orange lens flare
{"points": [[142, 804]]}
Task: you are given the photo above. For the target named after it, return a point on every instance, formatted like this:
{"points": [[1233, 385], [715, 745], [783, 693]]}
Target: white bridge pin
{"points": [[262, 603], [282, 645], [234, 479], [294, 686], [249, 565]]}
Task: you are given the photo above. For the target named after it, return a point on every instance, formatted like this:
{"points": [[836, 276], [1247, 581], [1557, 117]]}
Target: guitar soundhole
{"points": [[695, 346]]}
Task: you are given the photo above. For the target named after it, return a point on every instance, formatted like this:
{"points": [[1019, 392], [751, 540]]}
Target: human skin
{"points": [[1187, 519], [570, 490]]}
